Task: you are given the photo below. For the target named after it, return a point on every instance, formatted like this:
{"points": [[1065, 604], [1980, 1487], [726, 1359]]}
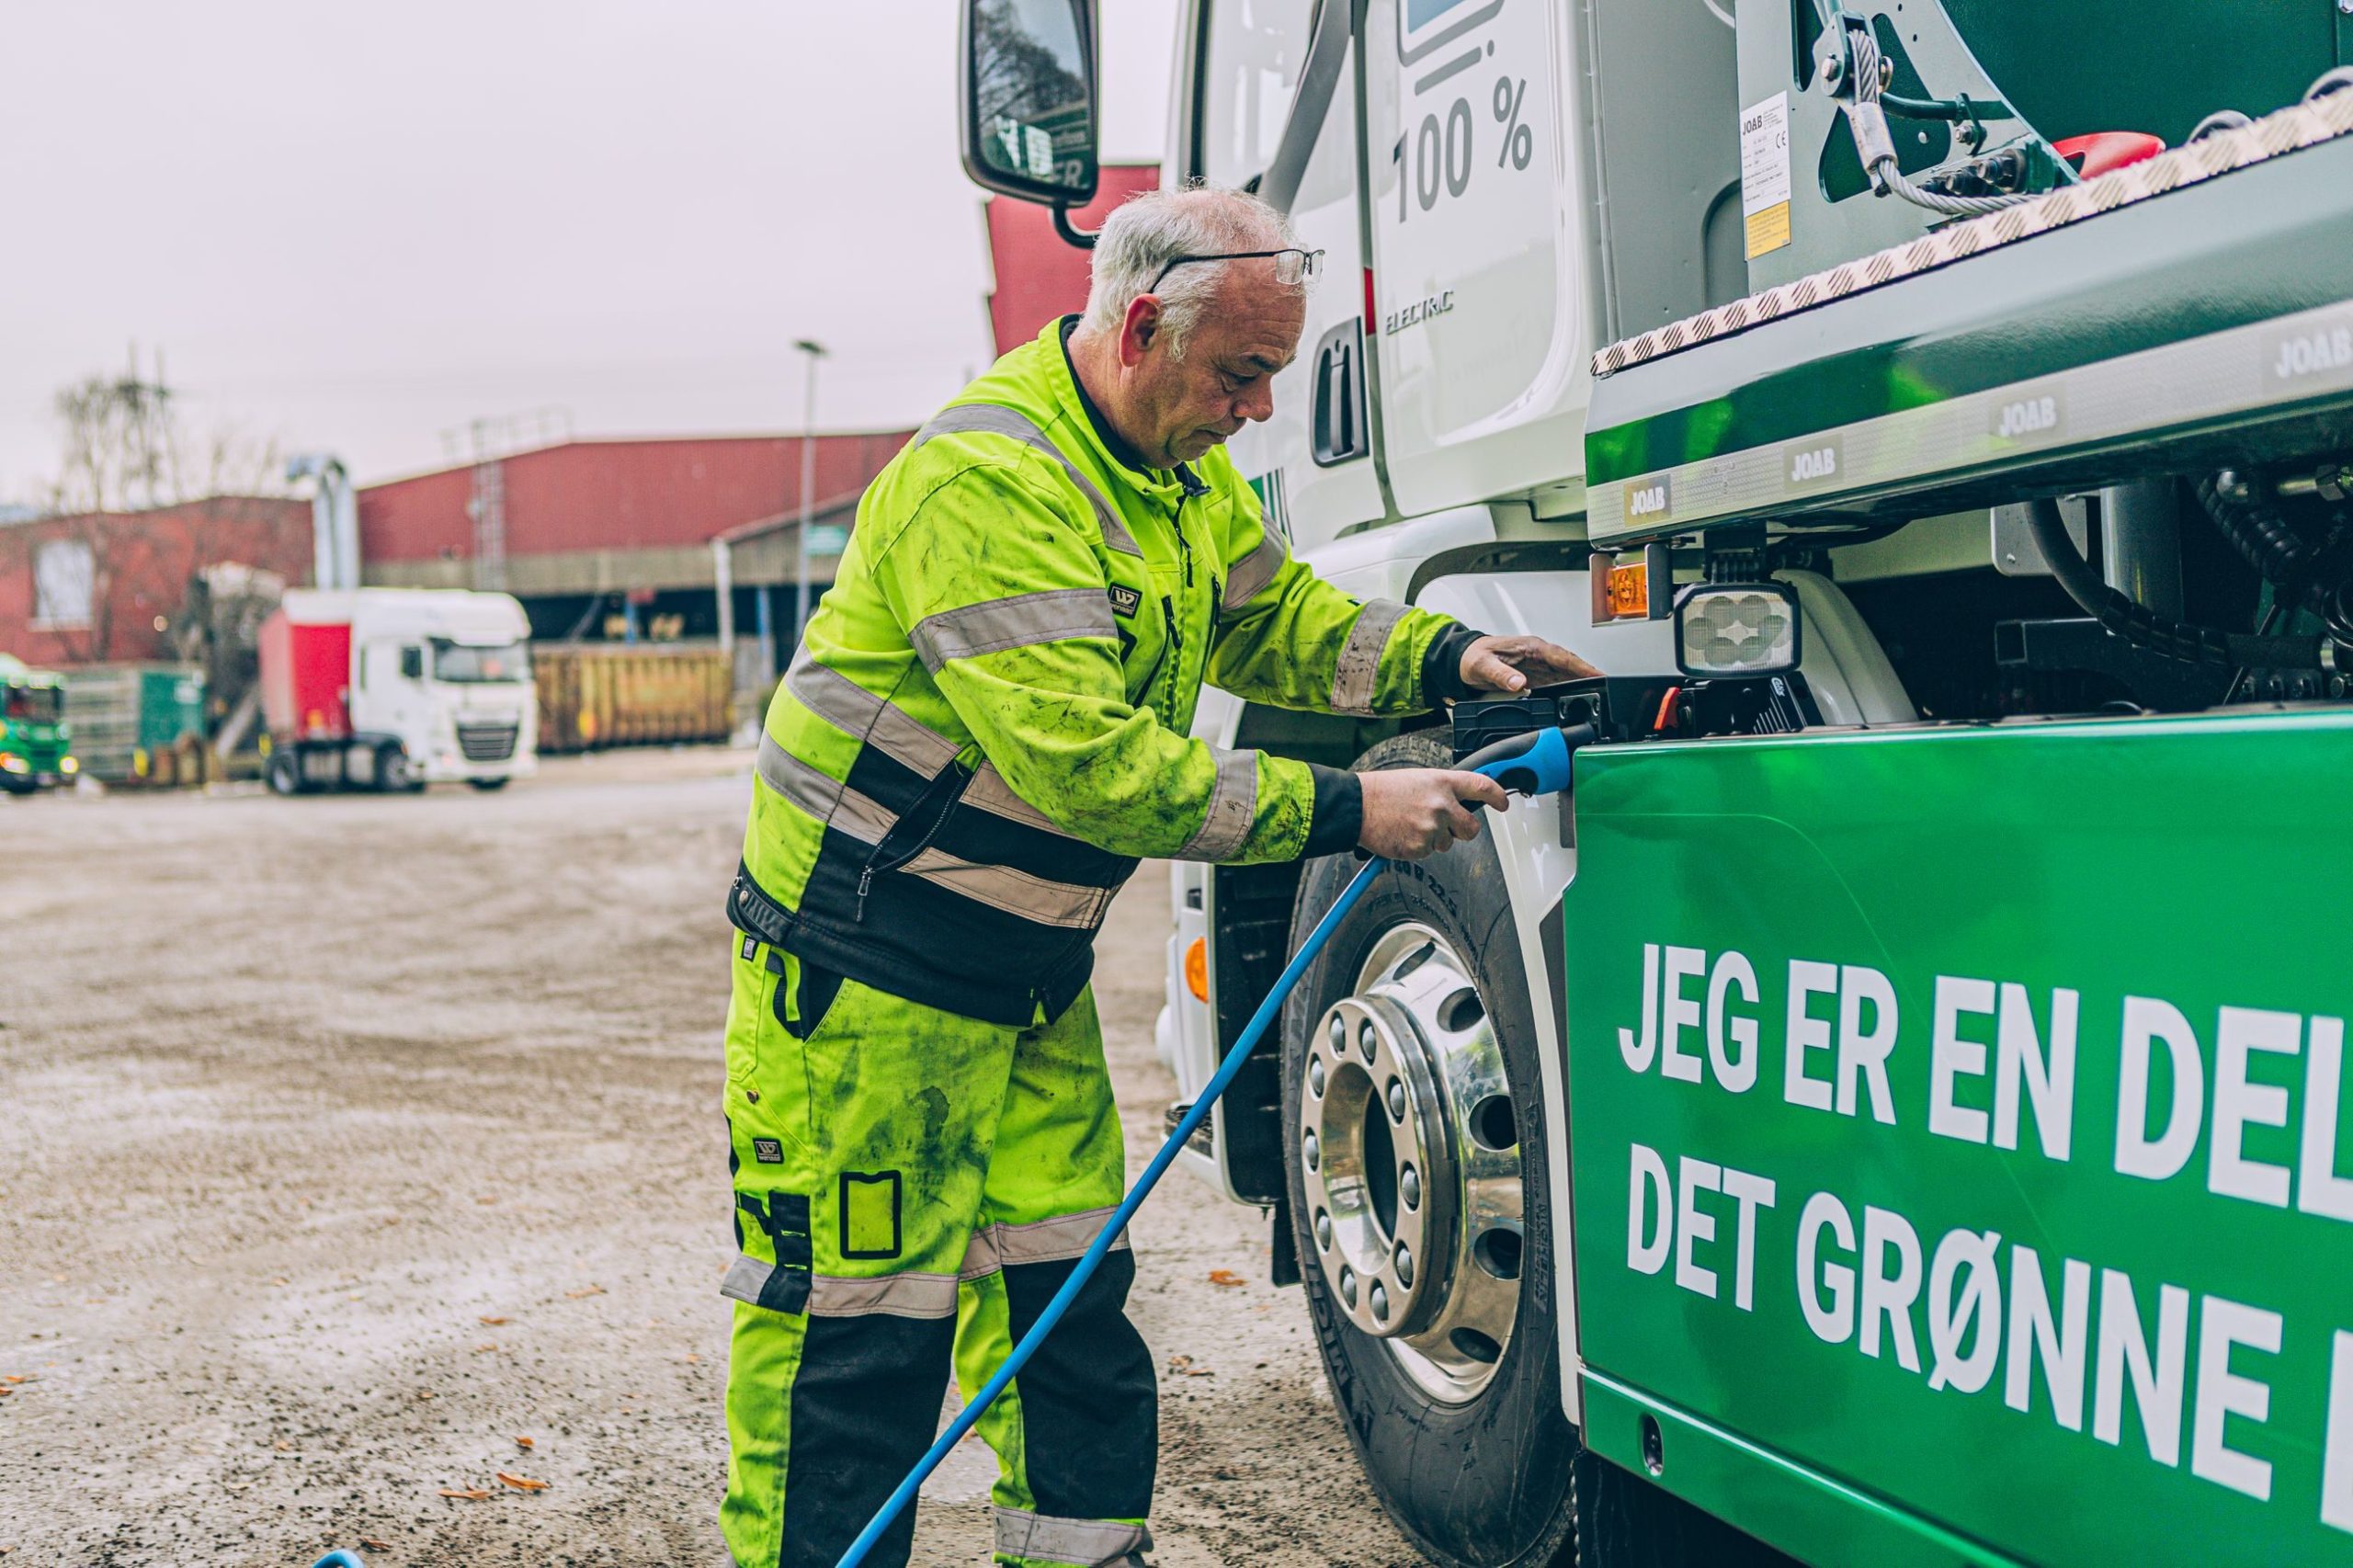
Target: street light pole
{"points": [[815, 351]]}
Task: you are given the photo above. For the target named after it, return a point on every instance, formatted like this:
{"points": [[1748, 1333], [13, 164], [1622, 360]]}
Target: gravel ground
{"points": [[346, 1144]]}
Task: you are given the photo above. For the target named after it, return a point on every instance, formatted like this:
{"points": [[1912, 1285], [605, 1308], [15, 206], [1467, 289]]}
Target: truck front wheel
{"points": [[285, 773], [1419, 1186]]}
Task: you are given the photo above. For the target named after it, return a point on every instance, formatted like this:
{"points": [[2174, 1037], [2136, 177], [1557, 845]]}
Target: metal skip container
{"points": [[139, 722], [592, 697]]}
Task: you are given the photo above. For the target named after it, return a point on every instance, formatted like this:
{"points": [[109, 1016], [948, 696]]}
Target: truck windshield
{"points": [[40, 704], [471, 663]]}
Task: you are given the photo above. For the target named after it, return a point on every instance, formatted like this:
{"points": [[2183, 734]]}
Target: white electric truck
{"points": [[1937, 418], [396, 689]]}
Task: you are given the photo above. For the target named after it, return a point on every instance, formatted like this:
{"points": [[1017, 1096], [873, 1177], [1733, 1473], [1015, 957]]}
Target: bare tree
{"points": [[124, 450]]}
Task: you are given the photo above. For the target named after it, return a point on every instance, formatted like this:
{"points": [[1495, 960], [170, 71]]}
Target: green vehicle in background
{"points": [[36, 742]]}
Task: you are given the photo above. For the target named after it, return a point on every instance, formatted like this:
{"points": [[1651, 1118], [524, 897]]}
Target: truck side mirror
{"points": [[1028, 98], [413, 662]]}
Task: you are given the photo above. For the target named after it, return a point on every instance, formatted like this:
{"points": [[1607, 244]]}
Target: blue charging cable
{"points": [[1532, 764]]}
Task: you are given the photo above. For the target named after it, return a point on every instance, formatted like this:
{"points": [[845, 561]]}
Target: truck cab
{"points": [[36, 741], [398, 688], [1800, 1138]]}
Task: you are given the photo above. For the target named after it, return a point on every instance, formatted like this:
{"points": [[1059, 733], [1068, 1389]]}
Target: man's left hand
{"points": [[1517, 663]]}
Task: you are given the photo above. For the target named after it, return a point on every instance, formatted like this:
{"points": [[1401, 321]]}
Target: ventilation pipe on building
{"points": [[722, 576], [335, 520]]}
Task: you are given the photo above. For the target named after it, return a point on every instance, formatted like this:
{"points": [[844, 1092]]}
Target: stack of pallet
{"points": [[595, 695]]}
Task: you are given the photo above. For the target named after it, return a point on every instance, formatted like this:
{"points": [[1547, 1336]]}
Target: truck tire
{"points": [[285, 774], [1445, 1368], [488, 785], [392, 771]]}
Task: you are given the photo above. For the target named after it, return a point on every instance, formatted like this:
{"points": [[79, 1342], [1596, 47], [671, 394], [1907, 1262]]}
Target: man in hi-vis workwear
{"points": [[984, 729]]}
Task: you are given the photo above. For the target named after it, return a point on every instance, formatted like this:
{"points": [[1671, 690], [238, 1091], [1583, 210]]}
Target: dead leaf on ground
{"points": [[281, 1279], [375, 1543], [492, 1321], [526, 1443], [1226, 1278], [522, 1483], [6, 1391], [692, 1357], [480, 1349], [471, 1493], [1183, 1366], [17, 1378], [487, 1198], [584, 1291], [282, 1446]]}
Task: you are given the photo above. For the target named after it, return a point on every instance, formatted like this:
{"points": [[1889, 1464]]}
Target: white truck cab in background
{"points": [[398, 688]]}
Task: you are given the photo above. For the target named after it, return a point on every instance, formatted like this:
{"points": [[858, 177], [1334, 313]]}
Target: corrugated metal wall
{"points": [[616, 494]]}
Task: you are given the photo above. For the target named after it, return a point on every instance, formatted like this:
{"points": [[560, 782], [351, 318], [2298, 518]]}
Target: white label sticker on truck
{"points": [[1765, 173]]}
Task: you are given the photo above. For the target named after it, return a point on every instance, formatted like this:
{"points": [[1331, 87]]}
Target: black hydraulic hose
{"points": [[2137, 623], [2290, 562]]}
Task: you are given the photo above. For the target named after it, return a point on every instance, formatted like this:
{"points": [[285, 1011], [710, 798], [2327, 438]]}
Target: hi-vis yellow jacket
{"points": [[987, 724]]}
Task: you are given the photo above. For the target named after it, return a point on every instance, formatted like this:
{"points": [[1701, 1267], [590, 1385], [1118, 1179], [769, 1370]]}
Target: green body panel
{"points": [[1766, 1494], [2189, 863]]}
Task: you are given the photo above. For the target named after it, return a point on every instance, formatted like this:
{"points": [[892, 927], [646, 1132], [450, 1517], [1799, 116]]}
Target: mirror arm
{"points": [[1336, 22], [1081, 238]]}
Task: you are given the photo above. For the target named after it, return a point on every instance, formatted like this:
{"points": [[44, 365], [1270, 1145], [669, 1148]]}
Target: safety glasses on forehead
{"points": [[1292, 266]]}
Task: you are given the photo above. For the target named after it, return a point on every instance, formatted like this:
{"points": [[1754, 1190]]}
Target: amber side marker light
{"points": [[1197, 968], [1638, 585]]}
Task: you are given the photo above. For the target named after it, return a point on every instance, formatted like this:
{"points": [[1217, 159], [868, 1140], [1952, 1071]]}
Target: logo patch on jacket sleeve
{"points": [[767, 1150], [1125, 599]]}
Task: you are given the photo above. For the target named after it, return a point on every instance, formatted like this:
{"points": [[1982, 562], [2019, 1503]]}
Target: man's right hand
{"points": [[1413, 811]]}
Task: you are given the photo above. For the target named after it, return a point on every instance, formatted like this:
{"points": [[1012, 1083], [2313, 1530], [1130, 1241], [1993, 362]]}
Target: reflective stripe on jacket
{"points": [[986, 727]]}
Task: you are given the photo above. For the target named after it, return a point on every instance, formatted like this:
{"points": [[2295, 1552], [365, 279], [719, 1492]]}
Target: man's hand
{"points": [[1413, 811], [1515, 664]]}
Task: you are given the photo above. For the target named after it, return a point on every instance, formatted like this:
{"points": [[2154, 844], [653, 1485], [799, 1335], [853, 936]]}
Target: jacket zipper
{"points": [[938, 820], [1171, 647]]}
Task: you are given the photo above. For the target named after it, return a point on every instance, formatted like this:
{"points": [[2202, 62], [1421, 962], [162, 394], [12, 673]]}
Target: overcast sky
{"points": [[356, 226]]}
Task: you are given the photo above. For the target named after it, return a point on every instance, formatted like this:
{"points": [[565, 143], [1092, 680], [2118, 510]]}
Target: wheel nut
{"points": [[1404, 1261], [1409, 1186], [1323, 1230], [1339, 1033], [1379, 1304], [1368, 1039], [1347, 1285], [1307, 1148], [1315, 1076], [1396, 1099]]}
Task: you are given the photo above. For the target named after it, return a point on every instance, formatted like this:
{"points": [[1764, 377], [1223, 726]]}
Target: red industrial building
{"points": [[93, 589], [615, 537]]}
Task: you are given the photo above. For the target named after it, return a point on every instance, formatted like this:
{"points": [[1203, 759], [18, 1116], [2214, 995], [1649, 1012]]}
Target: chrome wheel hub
{"points": [[1410, 1148]]}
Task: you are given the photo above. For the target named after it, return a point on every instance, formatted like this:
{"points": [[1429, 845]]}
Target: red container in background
{"points": [[306, 677]]}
